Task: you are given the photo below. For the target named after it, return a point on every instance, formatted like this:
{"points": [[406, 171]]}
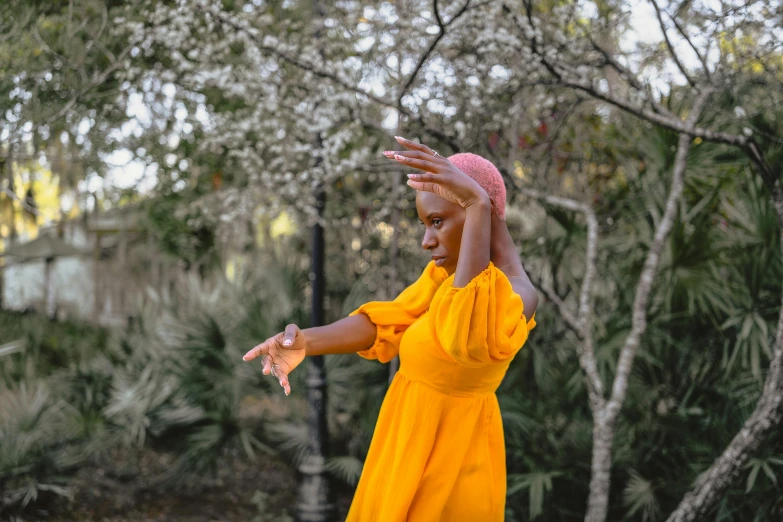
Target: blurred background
{"points": [[181, 179]]}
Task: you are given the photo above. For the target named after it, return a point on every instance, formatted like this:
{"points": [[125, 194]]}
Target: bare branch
{"points": [[581, 324], [424, 57], [438, 19], [562, 307], [669, 44], [342, 82], [684, 34], [629, 77], [644, 287], [670, 122], [28, 207]]}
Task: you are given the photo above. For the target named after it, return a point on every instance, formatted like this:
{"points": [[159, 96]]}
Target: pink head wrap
{"points": [[486, 174]]}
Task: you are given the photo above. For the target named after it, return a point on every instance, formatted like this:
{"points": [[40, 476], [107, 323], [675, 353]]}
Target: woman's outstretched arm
{"points": [[285, 351], [349, 335]]}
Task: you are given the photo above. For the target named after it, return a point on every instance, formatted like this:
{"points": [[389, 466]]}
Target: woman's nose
{"points": [[429, 241]]}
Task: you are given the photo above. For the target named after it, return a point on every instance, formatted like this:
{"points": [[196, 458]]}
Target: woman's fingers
{"points": [[290, 334], [408, 144], [421, 164], [266, 365], [426, 182], [426, 186], [260, 349], [283, 380], [417, 154]]}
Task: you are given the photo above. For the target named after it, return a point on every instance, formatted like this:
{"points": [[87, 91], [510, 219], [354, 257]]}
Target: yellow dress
{"points": [[438, 453]]}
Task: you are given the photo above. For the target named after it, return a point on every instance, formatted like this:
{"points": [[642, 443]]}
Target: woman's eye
{"points": [[436, 222]]}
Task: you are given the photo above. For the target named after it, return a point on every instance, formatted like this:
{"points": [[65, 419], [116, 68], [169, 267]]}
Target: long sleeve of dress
{"points": [[481, 322], [392, 318]]}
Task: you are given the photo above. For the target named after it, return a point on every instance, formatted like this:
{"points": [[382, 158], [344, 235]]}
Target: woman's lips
{"points": [[439, 260]]}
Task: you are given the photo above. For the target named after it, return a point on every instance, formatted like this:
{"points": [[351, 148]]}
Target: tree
{"points": [[62, 100], [491, 81]]}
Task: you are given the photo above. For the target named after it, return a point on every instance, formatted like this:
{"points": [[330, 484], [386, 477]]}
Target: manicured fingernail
{"points": [[388, 153], [411, 176], [244, 357], [400, 138], [287, 392], [287, 342], [398, 157]]}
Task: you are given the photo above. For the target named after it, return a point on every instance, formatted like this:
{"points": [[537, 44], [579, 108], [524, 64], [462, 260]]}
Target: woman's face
{"points": [[443, 222]]}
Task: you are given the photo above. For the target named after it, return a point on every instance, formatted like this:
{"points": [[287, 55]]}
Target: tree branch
{"points": [[441, 33], [669, 44], [644, 287], [684, 34], [322, 73], [581, 324], [629, 77], [670, 122], [28, 207]]}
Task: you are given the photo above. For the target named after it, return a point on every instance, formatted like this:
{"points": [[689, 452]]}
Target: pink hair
{"points": [[486, 174]]}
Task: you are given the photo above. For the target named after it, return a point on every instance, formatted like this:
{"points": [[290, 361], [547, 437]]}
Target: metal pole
{"points": [[314, 503]]}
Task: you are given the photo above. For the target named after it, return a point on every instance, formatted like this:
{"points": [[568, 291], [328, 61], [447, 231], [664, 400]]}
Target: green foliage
{"points": [[703, 359], [170, 222], [38, 444], [43, 346]]}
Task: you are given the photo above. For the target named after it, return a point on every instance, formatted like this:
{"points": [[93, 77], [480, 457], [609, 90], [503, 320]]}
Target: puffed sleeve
{"points": [[481, 322], [392, 318]]}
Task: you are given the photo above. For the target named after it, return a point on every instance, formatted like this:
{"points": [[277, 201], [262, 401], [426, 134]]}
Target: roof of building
{"points": [[43, 247]]}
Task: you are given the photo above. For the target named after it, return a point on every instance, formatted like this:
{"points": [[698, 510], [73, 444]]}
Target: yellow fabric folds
{"points": [[482, 322], [392, 318]]}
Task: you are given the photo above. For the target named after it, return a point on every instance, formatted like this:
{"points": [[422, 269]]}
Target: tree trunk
{"points": [[600, 471], [766, 418], [605, 418]]}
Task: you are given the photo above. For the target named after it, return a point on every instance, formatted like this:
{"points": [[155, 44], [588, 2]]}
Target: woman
{"points": [[437, 452]]}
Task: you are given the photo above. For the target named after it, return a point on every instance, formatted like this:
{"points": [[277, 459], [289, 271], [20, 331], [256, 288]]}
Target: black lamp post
{"points": [[314, 503]]}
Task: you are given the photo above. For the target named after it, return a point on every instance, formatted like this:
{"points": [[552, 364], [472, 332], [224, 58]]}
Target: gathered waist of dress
{"points": [[448, 385]]}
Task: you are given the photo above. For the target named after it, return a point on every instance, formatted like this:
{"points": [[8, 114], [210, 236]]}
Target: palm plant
{"points": [[183, 382], [38, 444], [698, 374]]}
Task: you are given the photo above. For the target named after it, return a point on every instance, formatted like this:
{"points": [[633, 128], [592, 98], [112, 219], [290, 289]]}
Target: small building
{"points": [[46, 274], [94, 268]]}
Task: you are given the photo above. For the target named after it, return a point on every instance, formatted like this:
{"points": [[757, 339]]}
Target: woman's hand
{"points": [[441, 177], [282, 353]]}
